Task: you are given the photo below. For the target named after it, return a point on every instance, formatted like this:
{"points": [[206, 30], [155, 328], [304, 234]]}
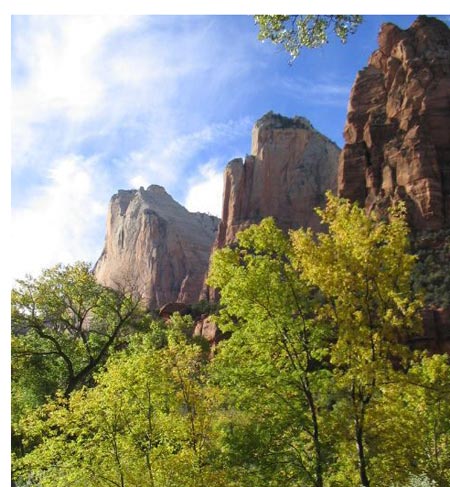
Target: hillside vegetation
{"points": [[316, 387]]}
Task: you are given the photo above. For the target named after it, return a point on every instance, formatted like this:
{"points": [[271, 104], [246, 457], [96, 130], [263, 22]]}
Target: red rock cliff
{"points": [[398, 147], [398, 125], [291, 167]]}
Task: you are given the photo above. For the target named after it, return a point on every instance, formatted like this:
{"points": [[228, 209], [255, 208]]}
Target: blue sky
{"points": [[102, 103]]}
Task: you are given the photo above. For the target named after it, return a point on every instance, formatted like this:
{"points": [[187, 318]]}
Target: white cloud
{"points": [[137, 181], [56, 76], [137, 93], [205, 193], [61, 222], [168, 159], [60, 56]]}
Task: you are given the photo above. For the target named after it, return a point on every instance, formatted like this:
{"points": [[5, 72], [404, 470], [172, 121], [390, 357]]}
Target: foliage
{"points": [[315, 387], [65, 317], [421, 481], [294, 32], [203, 307], [319, 324], [363, 268], [277, 351], [429, 382], [432, 273], [147, 422], [64, 326]]}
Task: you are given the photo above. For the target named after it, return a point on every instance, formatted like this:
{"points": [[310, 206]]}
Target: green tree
{"points": [[64, 325], [277, 353], [429, 398], [363, 269], [318, 355], [147, 421], [408, 426], [294, 32], [65, 320]]}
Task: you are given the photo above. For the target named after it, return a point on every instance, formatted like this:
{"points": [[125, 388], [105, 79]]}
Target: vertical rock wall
{"points": [[398, 148], [398, 125], [286, 176]]}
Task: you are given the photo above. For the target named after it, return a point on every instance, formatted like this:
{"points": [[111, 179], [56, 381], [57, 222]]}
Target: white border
{"points": [[5, 218], [246, 7], [132, 7]]}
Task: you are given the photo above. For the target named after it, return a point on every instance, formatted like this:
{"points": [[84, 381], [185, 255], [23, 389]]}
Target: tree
{"points": [[408, 425], [65, 322], [317, 363], [64, 326], [428, 385], [147, 421], [294, 32], [318, 356], [277, 352], [363, 269]]}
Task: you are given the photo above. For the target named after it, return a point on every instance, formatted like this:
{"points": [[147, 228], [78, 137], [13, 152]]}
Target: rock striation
{"points": [[397, 132], [286, 176], [156, 247], [398, 147]]}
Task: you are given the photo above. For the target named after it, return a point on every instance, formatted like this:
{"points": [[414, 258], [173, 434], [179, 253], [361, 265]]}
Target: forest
{"points": [[317, 384]]}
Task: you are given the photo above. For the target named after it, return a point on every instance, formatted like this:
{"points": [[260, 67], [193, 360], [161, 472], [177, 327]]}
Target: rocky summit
{"points": [[286, 176], [155, 247], [397, 131], [158, 248], [397, 147]]}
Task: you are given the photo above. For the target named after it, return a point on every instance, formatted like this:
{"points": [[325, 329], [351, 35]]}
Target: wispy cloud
{"points": [[171, 160], [61, 221], [54, 76], [327, 92], [205, 190]]}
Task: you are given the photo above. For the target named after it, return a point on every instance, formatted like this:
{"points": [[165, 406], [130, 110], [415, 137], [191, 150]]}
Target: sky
{"points": [[101, 103]]}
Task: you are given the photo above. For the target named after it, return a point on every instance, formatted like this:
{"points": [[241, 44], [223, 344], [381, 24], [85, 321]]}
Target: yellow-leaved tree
{"points": [[363, 269]]}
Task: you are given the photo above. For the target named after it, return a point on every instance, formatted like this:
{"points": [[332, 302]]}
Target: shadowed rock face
{"points": [[291, 167], [156, 247], [398, 147], [397, 132]]}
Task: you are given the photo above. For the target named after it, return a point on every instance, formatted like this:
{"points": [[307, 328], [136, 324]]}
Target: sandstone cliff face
{"points": [[397, 132], [156, 247], [291, 167]]}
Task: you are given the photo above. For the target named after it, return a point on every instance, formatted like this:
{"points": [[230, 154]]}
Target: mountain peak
{"points": [[155, 246], [277, 121]]}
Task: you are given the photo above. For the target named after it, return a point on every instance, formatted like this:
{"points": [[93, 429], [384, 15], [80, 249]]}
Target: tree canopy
{"points": [[146, 422], [316, 386], [320, 324], [295, 32], [64, 316]]}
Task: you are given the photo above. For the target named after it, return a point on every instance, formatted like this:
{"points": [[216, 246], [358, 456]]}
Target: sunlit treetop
{"points": [[294, 32]]}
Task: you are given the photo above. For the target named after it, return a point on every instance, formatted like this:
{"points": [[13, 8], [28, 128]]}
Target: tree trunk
{"points": [[361, 455], [316, 437]]}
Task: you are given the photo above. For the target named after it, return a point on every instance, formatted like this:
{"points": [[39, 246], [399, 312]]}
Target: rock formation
{"points": [[397, 132], [398, 147], [207, 329], [291, 167], [156, 247]]}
